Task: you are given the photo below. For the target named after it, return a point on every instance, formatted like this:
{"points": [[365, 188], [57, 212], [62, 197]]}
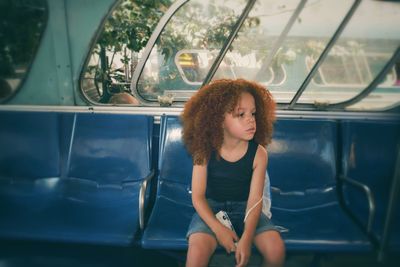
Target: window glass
{"points": [[363, 49], [118, 48], [22, 24], [187, 47], [278, 62]]}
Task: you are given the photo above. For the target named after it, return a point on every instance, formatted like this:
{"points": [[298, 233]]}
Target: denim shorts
{"points": [[236, 212]]}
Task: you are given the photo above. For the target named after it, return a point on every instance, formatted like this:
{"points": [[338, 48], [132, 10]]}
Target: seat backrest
{"points": [[175, 163], [110, 148], [73, 176], [302, 163], [27, 142]]}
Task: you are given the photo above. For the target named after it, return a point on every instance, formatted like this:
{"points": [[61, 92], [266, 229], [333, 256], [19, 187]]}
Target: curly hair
{"points": [[204, 113]]}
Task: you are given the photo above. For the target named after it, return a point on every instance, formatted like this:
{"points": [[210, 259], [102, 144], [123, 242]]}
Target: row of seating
{"points": [[84, 177], [73, 177], [330, 181]]}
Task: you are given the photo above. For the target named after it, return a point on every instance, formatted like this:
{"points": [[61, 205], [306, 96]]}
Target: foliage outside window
{"points": [[275, 46], [197, 26], [22, 24], [118, 49]]}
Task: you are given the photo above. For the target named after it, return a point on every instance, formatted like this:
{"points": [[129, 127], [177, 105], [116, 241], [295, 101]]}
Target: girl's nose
{"points": [[251, 118]]}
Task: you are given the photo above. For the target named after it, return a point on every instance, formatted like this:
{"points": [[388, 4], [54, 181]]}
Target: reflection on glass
{"points": [[21, 25], [283, 71], [363, 49], [187, 47]]}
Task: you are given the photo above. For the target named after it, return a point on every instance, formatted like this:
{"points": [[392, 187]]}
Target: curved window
{"points": [[22, 24], [186, 49], [161, 52], [367, 43], [115, 55]]}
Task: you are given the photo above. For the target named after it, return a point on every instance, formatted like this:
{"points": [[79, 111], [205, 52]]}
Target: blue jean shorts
{"points": [[236, 212]]}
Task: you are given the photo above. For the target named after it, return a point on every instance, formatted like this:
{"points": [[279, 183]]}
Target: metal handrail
{"points": [[142, 195], [370, 197]]}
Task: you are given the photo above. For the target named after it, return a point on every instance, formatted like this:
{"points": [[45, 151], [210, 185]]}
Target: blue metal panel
{"points": [[54, 75], [84, 19]]}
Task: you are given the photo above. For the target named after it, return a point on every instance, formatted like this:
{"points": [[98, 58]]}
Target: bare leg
{"points": [[271, 247], [201, 247]]}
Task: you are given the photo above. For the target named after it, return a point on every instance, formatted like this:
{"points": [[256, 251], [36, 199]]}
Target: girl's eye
{"points": [[253, 114], [241, 115]]}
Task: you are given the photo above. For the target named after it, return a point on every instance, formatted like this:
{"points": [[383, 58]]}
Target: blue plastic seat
{"points": [[369, 156], [303, 169], [85, 173], [303, 172], [30, 169], [172, 211]]}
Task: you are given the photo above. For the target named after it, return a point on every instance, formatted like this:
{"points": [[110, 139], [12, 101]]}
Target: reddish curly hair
{"points": [[204, 114]]}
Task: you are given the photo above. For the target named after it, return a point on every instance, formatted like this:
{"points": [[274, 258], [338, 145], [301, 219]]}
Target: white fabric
{"points": [[266, 208]]}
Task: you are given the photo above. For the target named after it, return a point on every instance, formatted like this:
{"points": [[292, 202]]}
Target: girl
{"points": [[226, 126]]}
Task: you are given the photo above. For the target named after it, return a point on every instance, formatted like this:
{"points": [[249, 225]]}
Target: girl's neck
{"points": [[233, 150], [233, 144]]}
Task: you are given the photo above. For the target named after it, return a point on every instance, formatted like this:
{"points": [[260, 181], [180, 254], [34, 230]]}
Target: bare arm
{"points": [[224, 235], [256, 193], [199, 184]]}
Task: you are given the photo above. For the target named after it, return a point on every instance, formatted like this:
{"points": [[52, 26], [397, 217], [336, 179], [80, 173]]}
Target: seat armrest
{"points": [[370, 197], [142, 195]]}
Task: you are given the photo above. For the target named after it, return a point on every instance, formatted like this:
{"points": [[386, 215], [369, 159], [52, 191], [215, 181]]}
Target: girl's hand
{"points": [[226, 238], [243, 252]]}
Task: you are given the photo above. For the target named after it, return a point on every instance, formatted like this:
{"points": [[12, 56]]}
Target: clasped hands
{"points": [[231, 243]]}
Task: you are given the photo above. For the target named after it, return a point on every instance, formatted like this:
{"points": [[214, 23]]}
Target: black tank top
{"points": [[230, 181]]}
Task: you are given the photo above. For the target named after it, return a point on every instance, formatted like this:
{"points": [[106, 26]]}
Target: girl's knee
{"points": [[272, 248], [201, 247], [275, 255]]}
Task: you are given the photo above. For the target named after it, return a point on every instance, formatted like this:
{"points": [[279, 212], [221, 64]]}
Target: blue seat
{"points": [[172, 211], [370, 149], [302, 167], [87, 171], [303, 170], [30, 168]]}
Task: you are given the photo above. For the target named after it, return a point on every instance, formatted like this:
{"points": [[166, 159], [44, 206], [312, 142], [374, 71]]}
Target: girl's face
{"points": [[240, 125]]}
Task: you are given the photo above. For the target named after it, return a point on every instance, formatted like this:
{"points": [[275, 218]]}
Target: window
{"points": [[22, 24], [161, 52], [186, 49], [361, 52], [118, 49]]}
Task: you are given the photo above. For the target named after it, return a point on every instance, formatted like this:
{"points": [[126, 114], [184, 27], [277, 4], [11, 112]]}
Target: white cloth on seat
{"points": [[266, 208]]}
